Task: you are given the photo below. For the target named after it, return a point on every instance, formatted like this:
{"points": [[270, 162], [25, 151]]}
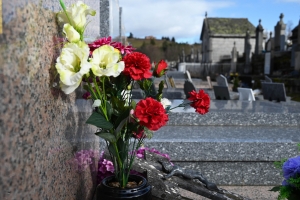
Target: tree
{"points": [[130, 35], [173, 39], [152, 41]]}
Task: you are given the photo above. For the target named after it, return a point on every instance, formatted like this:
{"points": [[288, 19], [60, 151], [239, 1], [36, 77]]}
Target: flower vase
{"points": [[141, 192]]}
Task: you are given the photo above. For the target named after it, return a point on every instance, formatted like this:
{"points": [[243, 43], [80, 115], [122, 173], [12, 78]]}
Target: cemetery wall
{"points": [[220, 53], [40, 127]]}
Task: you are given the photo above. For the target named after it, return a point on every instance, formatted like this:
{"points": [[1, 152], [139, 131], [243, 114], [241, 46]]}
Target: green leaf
{"points": [[107, 136], [112, 150], [99, 120], [275, 189], [120, 126], [109, 109]]}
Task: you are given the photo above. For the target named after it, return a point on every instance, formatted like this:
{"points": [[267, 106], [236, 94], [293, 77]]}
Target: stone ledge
{"points": [[237, 173]]}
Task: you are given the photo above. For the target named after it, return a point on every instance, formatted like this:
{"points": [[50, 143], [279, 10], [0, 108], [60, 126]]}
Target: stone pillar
{"points": [[104, 18], [297, 51], [247, 51], [280, 34], [183, 56], [233, 59], [259, 39], [192, 58]]}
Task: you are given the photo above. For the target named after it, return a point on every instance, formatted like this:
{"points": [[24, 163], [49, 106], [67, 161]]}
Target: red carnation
{"points": [[137, 66], [151, 114], [200, 101], [160, 69]]}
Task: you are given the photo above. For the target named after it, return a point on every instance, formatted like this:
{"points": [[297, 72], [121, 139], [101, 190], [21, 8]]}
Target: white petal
{"points": [[96, 103]]}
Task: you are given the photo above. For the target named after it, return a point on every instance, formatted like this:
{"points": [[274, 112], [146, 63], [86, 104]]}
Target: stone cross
{"points": [[247, 51], [233, 59], [259, 39], [280, 34], [269, 43]]}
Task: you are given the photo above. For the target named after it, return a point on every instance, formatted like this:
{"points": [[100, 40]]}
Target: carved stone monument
{"points": [[259, 39], [233, 59], [247, 50], [280, 34]]}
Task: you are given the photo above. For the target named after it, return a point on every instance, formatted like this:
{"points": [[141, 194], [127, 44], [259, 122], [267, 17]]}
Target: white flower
{"points": [[96, 103], [72, 64], [77, 14], [71, 34], [105, 61], [165, 102]]}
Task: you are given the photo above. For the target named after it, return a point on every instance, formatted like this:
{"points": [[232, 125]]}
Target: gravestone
{"points": [[259, 39], [188, 76], [167, 81], [176, 74], [268, 79], [172, 82], [233, 59], [246, 94], [280, 34], [188, 87], [274, 91], [210, 86], [267, 66], [247, 51], [222, 81], [221, 92]]}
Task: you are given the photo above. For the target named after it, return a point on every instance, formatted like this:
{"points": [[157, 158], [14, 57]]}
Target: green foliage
{"points": [[278, 164], [99, 121], [152, 41], [163, 49]]}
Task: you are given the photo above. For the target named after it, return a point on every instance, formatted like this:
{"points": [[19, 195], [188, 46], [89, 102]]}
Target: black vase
{"points": [[142, 192]]}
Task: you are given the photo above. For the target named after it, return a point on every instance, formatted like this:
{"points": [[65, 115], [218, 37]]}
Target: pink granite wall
{"points": [[40, 127]]}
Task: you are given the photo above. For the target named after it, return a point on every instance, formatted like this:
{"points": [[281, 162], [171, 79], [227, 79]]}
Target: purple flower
{"points": [[105, 168], [291, 168], [83, 159], [86, 95]]}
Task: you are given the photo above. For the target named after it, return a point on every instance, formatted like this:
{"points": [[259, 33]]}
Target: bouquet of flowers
{"points": [[290, 188], [107, 70]]}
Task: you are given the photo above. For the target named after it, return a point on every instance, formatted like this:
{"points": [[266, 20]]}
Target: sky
{"points": [[182, 19]]}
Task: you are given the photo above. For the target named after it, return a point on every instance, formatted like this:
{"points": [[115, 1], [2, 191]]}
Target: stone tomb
{"points": [[188, 87], [222, 81], [221, 92], [246, 94], [235, 144], [274, 91]]}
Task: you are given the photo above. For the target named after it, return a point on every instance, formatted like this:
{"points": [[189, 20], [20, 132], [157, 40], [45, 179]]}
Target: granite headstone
{"points": [[221, 92], [246, 94], [274, 91], [222, 81], [188, 87]]}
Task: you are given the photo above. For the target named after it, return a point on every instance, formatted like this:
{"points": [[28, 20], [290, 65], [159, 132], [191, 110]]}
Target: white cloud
{"points": [[176, 18]]}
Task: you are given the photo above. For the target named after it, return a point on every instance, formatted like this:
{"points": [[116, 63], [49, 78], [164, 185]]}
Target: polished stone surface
{"points": [[244, 106], [236, 143], [40, 127]]}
